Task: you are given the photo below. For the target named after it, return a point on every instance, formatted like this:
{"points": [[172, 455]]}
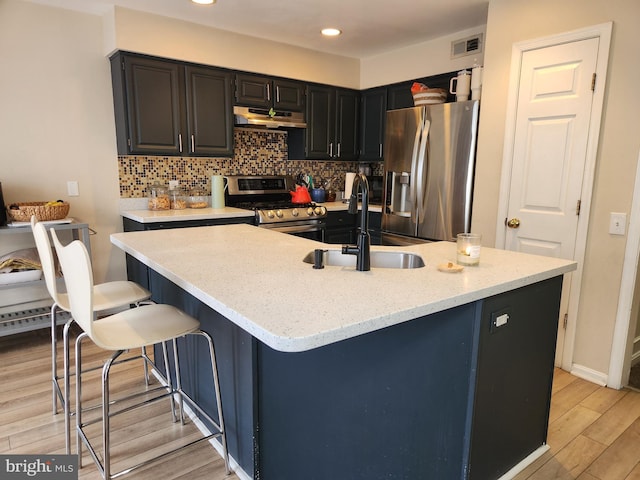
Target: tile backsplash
{"points": [[256, 152]]}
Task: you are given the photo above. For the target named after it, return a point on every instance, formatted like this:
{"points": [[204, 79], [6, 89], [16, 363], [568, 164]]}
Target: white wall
{"points": [[56, 118], [165, 37], [511, 21], [416, 61]]}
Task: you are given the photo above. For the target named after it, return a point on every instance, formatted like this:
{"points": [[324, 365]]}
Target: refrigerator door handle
{"points": [[423, 164], [413, 181]]}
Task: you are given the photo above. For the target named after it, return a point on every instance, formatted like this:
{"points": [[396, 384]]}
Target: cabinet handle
{"points": [[193, 143], [380, 150], [278, 93], [180, 142], [268, 92], [331, 149], [339, 149]]}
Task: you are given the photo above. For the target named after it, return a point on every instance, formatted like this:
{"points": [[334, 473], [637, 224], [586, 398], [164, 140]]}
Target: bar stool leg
{"points": [[67, 386], [54, 359], [216, 385], [176, 362], [165, 355], [79, 396], [106, 423]]}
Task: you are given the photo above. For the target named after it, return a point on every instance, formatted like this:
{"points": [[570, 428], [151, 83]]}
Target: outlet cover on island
{"points": [[72, 188], [173, 184]]}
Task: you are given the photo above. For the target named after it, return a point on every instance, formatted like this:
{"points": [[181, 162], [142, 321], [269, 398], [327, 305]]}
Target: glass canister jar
{"points": [[178, 199], [158, 197], [197, 198]]}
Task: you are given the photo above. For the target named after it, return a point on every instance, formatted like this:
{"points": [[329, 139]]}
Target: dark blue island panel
{"points": [[447, 396]]}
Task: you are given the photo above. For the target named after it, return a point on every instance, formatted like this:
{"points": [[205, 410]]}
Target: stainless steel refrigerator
{"points": [[429, 157]]}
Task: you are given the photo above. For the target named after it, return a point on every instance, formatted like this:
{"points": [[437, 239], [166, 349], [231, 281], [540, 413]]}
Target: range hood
{"points": [[269, 118]]}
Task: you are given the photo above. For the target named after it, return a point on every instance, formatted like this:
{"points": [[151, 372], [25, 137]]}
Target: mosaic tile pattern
{"points": [[256, 152]]}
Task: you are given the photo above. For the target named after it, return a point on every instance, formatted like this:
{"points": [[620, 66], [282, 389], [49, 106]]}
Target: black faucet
{"points": [[363, 242]]}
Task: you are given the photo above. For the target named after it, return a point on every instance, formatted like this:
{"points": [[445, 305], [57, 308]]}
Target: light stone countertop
{"points": [[137, 211], [256, 278]]}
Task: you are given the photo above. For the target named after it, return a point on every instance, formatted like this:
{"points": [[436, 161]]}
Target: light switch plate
{"points": [[618, 223], [72, 188]]}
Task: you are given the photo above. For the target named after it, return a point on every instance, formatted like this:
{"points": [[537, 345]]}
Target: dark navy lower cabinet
{"points": [[459, 394]]}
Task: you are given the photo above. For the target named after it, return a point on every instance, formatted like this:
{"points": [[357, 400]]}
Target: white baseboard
{"points": [[532, 457], [589, 374]]}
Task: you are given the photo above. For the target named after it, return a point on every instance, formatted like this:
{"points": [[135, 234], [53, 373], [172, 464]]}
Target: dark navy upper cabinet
{"points": [[170, 108], [267, 92], [373, 115], [399, 96], [332, 123]]}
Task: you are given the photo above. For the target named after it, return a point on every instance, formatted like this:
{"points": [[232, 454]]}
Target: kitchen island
{"points": [[334, 373]]}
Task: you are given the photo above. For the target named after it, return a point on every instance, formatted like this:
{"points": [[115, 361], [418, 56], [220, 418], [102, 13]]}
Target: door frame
{"points": [[624, 329], [603, 32]]}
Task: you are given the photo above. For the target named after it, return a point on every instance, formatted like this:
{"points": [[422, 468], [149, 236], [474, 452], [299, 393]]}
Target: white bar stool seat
{"points": [[134, 328]]}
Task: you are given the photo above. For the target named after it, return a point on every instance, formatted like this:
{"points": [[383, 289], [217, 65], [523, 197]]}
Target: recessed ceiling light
{"points": [[204, 2], [331, 32]]}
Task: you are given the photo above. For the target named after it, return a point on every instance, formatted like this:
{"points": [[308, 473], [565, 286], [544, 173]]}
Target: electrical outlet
{"points": [[173, 184], [618, 223], [72, 188]]}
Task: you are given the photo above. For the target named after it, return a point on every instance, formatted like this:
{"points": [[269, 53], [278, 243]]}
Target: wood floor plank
{"points": [[603, 399], [571, 461], [615, 420], [617, 462], [564, 399], [635, 473], [561, 379], [566, 428]]}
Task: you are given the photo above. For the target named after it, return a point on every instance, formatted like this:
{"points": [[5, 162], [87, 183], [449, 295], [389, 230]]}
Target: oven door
{"points": [[305, 229]]}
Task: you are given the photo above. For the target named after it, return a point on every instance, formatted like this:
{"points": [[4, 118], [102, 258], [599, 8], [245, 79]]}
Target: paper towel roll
{"points": [[348, 185], [217, 191]]}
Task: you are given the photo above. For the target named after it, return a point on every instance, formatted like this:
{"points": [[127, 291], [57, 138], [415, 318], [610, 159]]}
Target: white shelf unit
{"points": [[26, 306]]}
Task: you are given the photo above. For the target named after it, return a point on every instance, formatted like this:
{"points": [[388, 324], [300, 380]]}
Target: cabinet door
{"points": [[399, 95], [373, 115], [320, 142], [347, 106], [288, 95], [154, 105], [209, 111], [253, 90]]}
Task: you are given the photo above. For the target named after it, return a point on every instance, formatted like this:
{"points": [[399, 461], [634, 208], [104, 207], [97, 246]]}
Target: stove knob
{"points": [[318, 210], [279, 213], [270, 214], [295, 212], [323, 211], [310, 211]]}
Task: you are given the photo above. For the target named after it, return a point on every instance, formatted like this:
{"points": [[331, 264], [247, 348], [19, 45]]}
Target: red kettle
{"points": [[301, 195]]}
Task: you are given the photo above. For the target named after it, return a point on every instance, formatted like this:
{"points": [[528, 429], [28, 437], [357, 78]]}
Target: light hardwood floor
{"points": [[594, 432], [27, 425]]}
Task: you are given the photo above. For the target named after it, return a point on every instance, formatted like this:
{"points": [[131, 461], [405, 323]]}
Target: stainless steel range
{"points": [[269, 196]]}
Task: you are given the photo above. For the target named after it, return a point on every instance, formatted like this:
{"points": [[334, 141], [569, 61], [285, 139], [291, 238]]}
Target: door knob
{"points": [[513, 223]]}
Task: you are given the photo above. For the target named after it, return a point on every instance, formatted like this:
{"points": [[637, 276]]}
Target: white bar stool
{"points": [[134, 328], [107, 296]]}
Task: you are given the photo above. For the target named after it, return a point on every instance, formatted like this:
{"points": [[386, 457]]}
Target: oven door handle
{"points": [[296, 228]]}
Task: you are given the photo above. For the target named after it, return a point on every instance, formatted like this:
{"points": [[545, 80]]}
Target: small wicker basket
{"points": [[41, 210]]}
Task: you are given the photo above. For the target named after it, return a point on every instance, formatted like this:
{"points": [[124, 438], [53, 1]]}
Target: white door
{"points": [[550, 144]]}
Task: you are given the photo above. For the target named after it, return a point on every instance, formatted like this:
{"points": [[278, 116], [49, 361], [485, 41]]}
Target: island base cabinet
{"points": [[392, 404], [515, 373], [459, 394]]}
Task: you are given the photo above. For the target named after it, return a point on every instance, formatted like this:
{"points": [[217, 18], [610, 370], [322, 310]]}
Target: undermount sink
{"points": [[379, 259]]}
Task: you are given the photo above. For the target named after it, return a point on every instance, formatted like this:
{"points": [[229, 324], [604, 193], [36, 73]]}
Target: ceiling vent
{"points": [[466, 46]]}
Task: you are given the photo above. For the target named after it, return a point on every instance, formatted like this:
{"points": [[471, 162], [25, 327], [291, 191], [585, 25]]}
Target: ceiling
{"points": [[369, 27]]}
